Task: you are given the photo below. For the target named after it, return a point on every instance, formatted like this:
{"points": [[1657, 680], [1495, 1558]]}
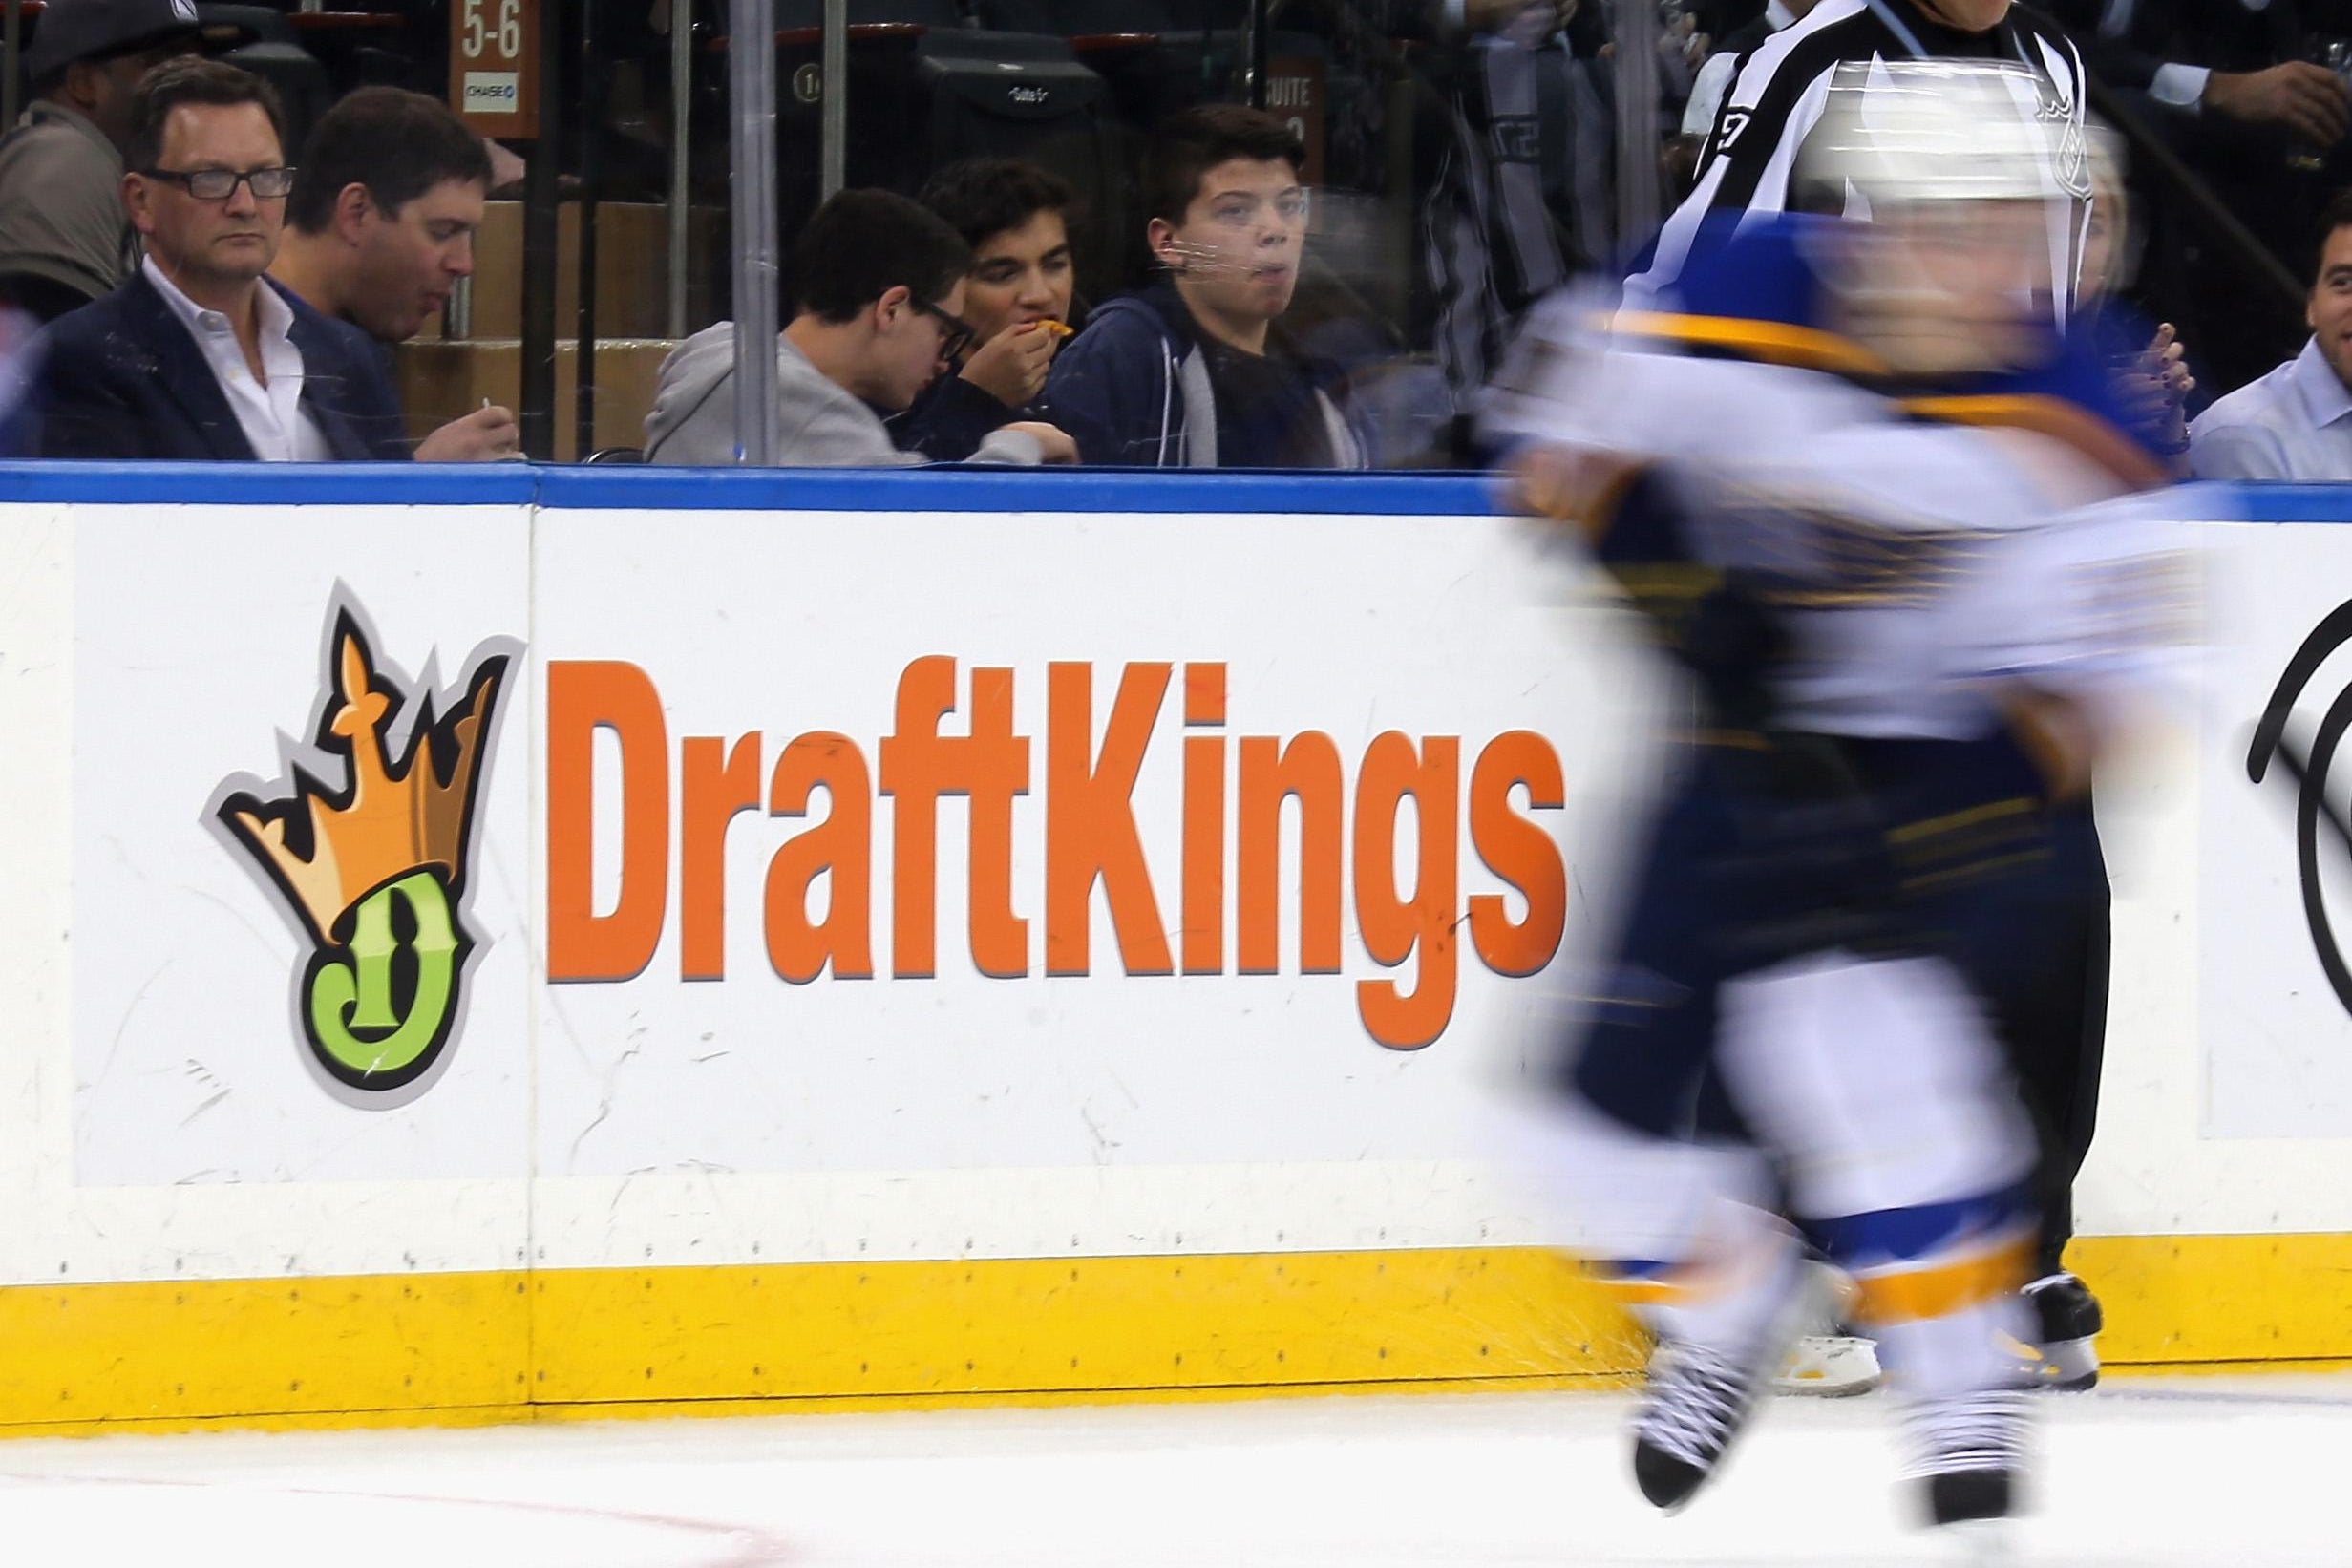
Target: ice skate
{"points": [[1971, 1468], [1696, 1404], [2067, 1322], [1981, 1543]]}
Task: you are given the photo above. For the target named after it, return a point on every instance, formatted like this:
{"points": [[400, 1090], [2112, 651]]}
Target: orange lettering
{"points": [[839, 848], [1090, 819], [1271, 773], [913, 775], [1393, 926], [582, 697], [1517, 851], [998, 768], [1204, 823], [711, 792]]}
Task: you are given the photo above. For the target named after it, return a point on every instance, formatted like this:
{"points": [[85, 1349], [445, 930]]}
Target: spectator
{"points": [[2154, 48], [2235, 87], [2294, 423], [1494, 241], [380, 228], [878, 284], [63, 238], [1194, 372], [1017, 300], [199, 355]]}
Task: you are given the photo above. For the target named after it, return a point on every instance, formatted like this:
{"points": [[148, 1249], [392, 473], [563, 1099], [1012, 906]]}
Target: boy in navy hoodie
{"points": [[1195, 371]]}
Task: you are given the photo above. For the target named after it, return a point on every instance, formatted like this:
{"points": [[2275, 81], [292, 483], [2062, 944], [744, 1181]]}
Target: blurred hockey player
{"points": [[1844, 477]]}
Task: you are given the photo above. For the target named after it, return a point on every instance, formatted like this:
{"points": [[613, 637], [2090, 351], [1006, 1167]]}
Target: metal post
{"points": [[11, 55], [1257, 53], [834, 172], [593, 75], [1636, 34], [681, 155], [540, 247], [457, 315], [751, 69]]}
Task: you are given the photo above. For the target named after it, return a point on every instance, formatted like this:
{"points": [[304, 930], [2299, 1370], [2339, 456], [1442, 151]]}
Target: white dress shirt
{"points": [[271, 415], [2296, 423]]}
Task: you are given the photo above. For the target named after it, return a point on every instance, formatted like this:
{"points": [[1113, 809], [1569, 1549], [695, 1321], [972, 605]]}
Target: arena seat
{"points": [[922, 96], [793, 14], [1158, 56]]}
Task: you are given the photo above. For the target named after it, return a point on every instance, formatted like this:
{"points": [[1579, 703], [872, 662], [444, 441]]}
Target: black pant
{"points": [[2052, 1021]]}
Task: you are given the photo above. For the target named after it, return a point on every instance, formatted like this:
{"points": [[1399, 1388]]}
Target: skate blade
{"points": [[1829, 1367], [1980, 1543], [2061, 1366]]}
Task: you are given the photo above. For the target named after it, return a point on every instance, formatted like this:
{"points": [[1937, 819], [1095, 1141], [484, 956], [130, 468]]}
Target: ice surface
{"points": [[2142, 1473]]}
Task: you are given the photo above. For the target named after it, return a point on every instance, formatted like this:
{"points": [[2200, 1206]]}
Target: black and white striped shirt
{"points": [[1782, 86]]}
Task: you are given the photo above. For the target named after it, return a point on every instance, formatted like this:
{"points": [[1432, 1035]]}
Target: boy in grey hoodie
{"points": [[876, 283]]}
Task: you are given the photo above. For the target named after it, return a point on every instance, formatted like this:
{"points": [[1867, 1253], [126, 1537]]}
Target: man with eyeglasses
{"points": [[876, 285], [63, 239], [200, 355], [1194, 372]]}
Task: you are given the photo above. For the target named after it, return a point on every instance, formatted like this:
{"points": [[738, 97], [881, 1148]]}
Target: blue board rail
{"points": [[626, 488], [622, 487]]}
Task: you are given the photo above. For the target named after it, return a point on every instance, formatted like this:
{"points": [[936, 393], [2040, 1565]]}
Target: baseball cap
{"points": [[82, 29]]}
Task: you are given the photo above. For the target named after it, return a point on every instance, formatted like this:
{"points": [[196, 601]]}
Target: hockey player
{"points": [[1829, 479], [2052, 1021]]}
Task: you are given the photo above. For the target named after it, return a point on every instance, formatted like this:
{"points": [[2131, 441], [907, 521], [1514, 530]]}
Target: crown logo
{"points": [[374, 868]]}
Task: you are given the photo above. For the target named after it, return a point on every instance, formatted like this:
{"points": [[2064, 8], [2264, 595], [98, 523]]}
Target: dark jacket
{"points": [[949, 419], [1134, 391], [122, 377]]}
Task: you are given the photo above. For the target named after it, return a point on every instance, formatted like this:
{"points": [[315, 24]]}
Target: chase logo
{"points": [[366, 847]]}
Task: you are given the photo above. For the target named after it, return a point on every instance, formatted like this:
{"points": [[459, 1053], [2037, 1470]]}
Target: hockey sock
{"points": [[1728, 1294]]}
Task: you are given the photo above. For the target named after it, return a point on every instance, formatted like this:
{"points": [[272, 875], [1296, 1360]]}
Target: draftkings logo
{"points": [[366, 839]]}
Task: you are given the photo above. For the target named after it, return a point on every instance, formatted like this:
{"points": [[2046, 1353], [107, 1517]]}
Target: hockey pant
{"points": [[1881, 1107], [1865, 1096]]}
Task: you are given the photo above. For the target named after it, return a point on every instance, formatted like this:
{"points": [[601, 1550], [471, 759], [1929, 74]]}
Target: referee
{"points": [[1780, 88], [2051, 1006]]}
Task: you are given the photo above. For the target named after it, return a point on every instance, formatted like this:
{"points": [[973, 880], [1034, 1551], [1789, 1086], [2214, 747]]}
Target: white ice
{"points": [[2142, 1474]]}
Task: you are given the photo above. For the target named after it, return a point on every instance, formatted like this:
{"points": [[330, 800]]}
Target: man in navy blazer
{"points": [[200, 355]]}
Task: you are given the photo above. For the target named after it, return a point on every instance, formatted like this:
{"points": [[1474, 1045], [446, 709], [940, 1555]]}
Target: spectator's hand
{"points": [[484, 436], [1058, 447], [2155, 390], [2307, 100], [1011, 366], [2168, 362]]}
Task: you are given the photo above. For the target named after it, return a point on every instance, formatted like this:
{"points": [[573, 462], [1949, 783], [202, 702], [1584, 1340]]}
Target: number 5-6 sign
{"points": [[493, 65]]}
